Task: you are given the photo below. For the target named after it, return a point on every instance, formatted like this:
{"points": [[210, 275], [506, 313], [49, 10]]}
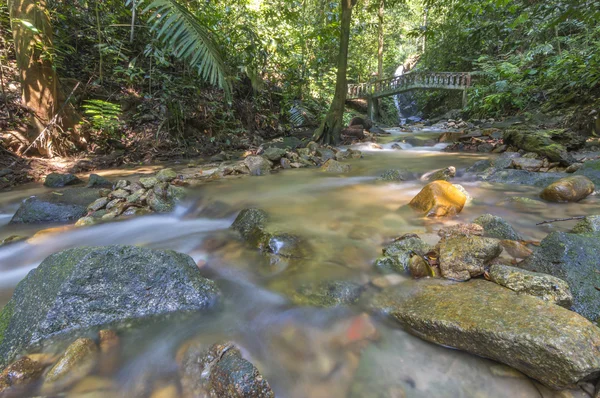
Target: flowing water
{"points": [[346, 220]]}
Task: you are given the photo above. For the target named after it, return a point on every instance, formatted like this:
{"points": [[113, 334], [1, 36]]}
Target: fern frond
{"points": [[188, 39]]}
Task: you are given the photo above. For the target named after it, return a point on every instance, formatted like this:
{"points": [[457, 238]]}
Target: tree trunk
{"points": [[380, 42], [39, 83], [330, 129]]}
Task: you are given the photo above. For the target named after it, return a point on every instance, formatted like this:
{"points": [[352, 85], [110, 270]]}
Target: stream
{"points": [[347, 220]]}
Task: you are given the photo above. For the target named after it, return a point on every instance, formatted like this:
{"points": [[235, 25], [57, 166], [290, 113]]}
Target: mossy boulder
{"points": [[258, 165], [333, 166], [497, 227], [439, 199], [552, 144], [569, 189], [545, 341], [83, 288], [65, 206], [574, 259], [248, 220], [96, 181]]}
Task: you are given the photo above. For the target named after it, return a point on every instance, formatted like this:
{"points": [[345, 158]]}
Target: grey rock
{"points": [[258, 165], [497, 227], [527, 164], [248, 220], [122, 184], [545, 341], [325, 154], [70, 205], [574, 259], [274, 154], [397, 255], [333, 166], [521, 177], [480, 166], [83, 288], [96, 181], [543, 286], [148, 182], [462, 257], [159, 203], [98, 204], [396, 175], [57, 180]]}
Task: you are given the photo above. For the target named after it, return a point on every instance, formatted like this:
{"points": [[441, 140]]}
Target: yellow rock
{"points": [[168, 391], [439, 199], [44, 234], [77, 361], [568, 189]]}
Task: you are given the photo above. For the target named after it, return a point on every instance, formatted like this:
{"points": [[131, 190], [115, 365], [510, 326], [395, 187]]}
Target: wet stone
{"points": [[148, 182], [78, 360], [98, 204], [569, 189], [333, 166], [96, 181], [249, 219], [462, 258], [166, 175], [18, 374], [328, 293], [57, 180], [497, 227], [121, 184], [396, 175], [119, 194], [587, 225], [543, 286]]}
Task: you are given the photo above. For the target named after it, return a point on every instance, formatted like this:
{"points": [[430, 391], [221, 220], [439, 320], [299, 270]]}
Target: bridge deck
{"points": [[410, 81]]}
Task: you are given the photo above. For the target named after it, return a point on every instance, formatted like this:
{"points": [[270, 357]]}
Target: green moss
{"points": [[5, 317]]}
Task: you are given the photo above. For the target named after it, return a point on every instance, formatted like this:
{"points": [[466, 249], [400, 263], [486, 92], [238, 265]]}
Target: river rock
{"points": [[543, 286], [588, 224], [96, 181], [520, 177], [460, 230], [527, 164], [497, 227], [258, 165], [18, 374], [480, 166], [574, 259], [159, 203], [441, 174], [166, 175], [274, 154], [325, 154], [70, 205], [439, 199], [220, 371], [327, 293], [57, 180], [591, 169], [86, 287], [516, 249], [77, 362], [545, 341], [396, 175], [148, 182], [333, 166], [569, 189], [248, 220], [547, 143], [98, 204], [397, 255], [464, 257]]}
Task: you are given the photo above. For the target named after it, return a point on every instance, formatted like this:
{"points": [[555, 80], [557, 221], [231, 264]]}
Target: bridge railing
{"points": [[444, 80]]}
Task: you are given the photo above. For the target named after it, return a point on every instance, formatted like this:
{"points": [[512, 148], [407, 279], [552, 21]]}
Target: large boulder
{"points": [[83, 288], [70, 205], [463, 257], [569, 189], [545, 341], [438, 199], [574, 259], [57, 180], [552, 144], [497, 227], [546, 287]]}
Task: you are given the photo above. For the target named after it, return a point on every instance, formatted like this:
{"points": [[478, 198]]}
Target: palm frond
{"points": [[188, 39]]}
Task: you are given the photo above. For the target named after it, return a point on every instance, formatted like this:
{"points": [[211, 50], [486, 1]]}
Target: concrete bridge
{"points": [[410, 81]]}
